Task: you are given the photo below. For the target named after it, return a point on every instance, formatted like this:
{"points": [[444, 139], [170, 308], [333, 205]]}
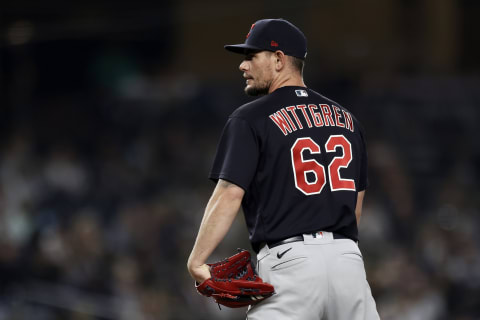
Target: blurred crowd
{"points": [[103, 186]]}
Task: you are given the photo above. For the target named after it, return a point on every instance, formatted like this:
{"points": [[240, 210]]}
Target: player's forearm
{"points": [[218, 218], [217, 222]]}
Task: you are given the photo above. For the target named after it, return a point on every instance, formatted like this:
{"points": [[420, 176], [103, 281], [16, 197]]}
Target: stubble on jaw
{"points": [[257, 91], [263, 79]]}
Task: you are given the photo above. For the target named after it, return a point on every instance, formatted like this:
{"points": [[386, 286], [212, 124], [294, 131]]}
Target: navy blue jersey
{"points": [[301, 159]]}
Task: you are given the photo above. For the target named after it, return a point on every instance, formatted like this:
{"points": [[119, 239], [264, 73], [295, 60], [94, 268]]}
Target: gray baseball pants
{"points": [[320, 278]]}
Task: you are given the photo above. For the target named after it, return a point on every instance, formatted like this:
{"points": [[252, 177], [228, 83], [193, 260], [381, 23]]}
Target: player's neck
{"points": [[289, 80]]}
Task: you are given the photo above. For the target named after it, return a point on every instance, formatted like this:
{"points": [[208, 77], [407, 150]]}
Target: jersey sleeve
{"points": [[237, 154]]}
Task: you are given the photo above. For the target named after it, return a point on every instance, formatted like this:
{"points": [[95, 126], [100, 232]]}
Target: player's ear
{"points": [[280, 60]]}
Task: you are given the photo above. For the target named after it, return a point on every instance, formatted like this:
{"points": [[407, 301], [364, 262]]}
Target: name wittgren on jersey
{"points": [[301, 93]]}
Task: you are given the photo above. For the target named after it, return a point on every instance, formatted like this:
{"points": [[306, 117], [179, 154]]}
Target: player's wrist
{"points": [[194, 262], [200, 273]]}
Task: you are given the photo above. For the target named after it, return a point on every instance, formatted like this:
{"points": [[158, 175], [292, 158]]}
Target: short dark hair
{"points": [[298, 64]]}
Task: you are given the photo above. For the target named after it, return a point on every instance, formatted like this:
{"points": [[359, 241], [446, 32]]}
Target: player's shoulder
{"points": [[331, 102], [250, 109], [334, 103], [327, 100]]}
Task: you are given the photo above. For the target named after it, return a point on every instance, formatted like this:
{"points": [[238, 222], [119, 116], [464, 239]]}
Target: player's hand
{"points": [[200, 273]]}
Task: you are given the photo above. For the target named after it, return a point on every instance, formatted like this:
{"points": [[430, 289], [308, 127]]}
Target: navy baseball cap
{"points": [[273, 35]]}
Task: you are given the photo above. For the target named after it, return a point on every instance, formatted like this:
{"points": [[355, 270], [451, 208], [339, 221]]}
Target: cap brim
{"points": [[241, 48]]}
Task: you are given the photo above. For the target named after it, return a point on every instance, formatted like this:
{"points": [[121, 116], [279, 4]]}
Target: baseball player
{"points": [[296, 162]]}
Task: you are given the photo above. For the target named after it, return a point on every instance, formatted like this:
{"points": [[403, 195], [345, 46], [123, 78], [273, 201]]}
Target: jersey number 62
{"points": [[301, 166]]}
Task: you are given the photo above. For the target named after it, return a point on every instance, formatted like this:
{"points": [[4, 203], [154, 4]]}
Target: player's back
{"points": [[310, 162]]}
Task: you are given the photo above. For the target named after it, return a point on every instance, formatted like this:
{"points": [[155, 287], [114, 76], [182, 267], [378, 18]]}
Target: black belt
{"points": [[300, 238]]}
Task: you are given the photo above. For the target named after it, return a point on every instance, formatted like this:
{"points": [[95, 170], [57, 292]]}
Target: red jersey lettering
{"points": [[327, 115], [280, 121]]}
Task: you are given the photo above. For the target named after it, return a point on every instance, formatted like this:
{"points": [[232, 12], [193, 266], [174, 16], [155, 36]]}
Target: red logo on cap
{"points": [[251, 28], [273, 44]]}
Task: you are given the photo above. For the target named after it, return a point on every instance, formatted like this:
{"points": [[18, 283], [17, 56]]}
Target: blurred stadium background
{"points": [[109, 118]]}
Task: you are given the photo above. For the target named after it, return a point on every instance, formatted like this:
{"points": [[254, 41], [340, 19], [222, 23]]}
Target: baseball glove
{"points": [[234, 282]]}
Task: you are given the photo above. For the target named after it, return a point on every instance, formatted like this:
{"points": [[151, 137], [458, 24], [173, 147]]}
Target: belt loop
{"points": [[264, 251]]}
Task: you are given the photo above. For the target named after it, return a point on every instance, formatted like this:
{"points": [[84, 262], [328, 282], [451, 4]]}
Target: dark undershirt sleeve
{"points": [[237, 154]]}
